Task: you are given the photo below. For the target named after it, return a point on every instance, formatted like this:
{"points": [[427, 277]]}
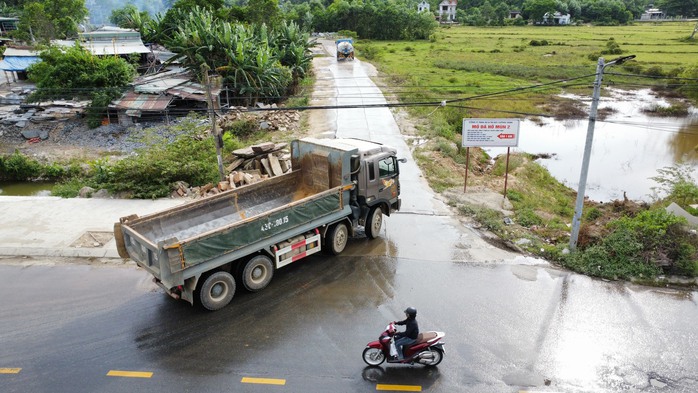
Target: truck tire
{"points": [[374, 221], [257, 273], [336, 238], [217, 291]]}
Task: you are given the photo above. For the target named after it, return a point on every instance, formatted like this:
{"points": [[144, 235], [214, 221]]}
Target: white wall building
{"points": [[447, 10]]}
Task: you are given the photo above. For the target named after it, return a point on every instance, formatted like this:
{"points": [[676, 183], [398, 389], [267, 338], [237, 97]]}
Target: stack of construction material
{"points": [[281, 120], [249, 165]]}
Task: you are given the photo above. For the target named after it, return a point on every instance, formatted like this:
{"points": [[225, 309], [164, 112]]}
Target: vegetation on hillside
{"points": [[487, 72], [76, 73]]}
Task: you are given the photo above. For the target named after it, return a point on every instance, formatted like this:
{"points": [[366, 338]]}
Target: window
{"points": [[371, 171], [387, 167]]}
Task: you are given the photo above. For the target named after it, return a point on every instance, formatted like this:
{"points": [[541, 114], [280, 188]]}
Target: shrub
{"points": [[348, 33], [641, 246], [528, 218], [592, 214], [17, 166]]}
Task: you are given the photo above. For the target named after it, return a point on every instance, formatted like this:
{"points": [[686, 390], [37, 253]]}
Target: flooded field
{"points": [[629, 146]]}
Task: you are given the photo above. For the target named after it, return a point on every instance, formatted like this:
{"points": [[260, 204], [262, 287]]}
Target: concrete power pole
{"points": [[577, 219]]}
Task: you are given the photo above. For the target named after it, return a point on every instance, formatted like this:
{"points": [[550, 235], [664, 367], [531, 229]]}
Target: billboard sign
{"points": [[490, 132]]}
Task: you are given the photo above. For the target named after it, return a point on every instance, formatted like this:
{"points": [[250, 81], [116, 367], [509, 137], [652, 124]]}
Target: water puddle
{"points": [[628, 148], [25, 188]]}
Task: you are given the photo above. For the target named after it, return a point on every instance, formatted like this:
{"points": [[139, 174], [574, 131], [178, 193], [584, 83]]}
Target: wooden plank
{"points": [[275, 166], [235, 164], [266, 166]]}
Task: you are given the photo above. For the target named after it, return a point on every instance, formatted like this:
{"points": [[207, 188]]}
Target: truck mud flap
{"points": [[119, 238]]}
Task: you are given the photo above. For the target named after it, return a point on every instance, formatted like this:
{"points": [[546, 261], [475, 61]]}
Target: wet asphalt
{"points": [[512, 323]]}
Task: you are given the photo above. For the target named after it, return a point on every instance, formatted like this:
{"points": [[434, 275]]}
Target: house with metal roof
{"points": [[160, 96], [16, 61]]}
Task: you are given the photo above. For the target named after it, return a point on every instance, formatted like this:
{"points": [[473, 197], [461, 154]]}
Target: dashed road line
{"points": [[264, 381], [399, 388], [10, 370], [129, 374]]}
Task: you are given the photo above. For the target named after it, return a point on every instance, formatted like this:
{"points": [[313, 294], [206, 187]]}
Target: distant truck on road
{"points": [[345, 48], [204, 249]]}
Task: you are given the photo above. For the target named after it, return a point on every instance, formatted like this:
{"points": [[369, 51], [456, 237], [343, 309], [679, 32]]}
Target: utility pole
{"points": [[577, 219], [217, 137]]}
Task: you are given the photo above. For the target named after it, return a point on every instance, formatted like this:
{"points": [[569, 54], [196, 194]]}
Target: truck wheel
{"points": [[374, 221], [257, 273], [336, 238], [217, 291]]}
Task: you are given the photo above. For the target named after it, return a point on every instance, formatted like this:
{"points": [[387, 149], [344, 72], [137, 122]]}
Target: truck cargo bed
{"points": [[205, 229]]}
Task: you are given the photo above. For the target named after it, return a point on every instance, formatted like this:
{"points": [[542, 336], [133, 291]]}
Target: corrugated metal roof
{"points": [[160, 85], [192, 91], [9, 51], [115, 47], [132, 101], [13, 63]]}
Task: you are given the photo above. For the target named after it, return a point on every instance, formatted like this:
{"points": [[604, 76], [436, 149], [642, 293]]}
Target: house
{"points": [[423, 6], [556, 19], [7, 25], [652, 14], [109, 41], [515, 14], [447, 11], [161, 95], [16, 62]]}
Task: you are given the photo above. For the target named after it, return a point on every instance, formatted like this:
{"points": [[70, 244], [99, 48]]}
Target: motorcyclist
{"points": [[409, 336]]}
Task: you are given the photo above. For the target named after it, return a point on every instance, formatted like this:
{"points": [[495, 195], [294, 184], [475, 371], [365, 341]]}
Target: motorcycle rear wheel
{"points": [[438, 356], [373, 356]]}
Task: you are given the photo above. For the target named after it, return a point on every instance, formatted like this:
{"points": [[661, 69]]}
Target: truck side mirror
{"points": [[402, 160]]}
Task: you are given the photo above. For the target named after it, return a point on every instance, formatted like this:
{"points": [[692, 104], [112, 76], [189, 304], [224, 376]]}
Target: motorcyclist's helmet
{"points": [[411, 312]]}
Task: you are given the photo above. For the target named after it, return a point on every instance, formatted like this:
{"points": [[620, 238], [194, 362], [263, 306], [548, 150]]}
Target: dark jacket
{"points": [[411, 328]]}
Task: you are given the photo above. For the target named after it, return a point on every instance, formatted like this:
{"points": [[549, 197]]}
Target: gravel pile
{"points": [[112, 137]]}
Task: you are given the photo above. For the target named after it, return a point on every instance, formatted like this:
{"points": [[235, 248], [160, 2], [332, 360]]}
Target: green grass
{"points": [[473, 63], [468, 61]]}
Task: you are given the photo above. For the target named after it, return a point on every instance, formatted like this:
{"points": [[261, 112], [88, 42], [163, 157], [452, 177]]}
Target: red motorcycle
{"points": [[427, 350]]}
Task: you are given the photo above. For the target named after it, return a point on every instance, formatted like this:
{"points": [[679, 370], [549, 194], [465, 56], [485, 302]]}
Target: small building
{"points": [[109, 41], [7, 25], [515, 14], [652, 14], [161, 95], [423, 6], [16, 61], [556, 19], [447, 11]]}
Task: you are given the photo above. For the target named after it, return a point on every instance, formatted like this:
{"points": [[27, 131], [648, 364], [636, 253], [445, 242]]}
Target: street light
{"points": [[576, 221]]}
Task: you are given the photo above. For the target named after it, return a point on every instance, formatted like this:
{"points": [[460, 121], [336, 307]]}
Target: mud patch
{"points": [[93, 239]]}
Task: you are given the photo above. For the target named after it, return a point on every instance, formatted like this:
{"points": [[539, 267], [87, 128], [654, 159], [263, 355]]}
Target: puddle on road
{"points": [[628, 147]]}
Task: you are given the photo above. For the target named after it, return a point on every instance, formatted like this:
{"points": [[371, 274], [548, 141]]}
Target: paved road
{"points": [[512, 323]]}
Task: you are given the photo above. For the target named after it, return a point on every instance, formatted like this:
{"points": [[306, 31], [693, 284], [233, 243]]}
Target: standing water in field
{"points": [[629, 146]]}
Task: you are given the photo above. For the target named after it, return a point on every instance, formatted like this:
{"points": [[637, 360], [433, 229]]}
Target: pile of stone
{"points": [[273, 120], [23, 114], [250, 165]]}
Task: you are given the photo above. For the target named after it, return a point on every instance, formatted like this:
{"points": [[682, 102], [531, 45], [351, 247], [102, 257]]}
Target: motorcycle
{"points": [[427, 350]]}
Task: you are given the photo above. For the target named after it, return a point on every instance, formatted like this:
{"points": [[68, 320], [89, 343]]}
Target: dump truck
{"points": [[203, 250], [345, 48]]}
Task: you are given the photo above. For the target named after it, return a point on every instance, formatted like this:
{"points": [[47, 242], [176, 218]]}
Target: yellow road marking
{"points": [[264, 381], [401, 388], [10, 370], [129, 374]]}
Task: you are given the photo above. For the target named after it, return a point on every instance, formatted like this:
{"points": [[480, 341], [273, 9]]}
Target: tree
{"points": [[605, 11], [44, 20], [263, 11], [75, 72], [535, 9], [685, 8]]}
